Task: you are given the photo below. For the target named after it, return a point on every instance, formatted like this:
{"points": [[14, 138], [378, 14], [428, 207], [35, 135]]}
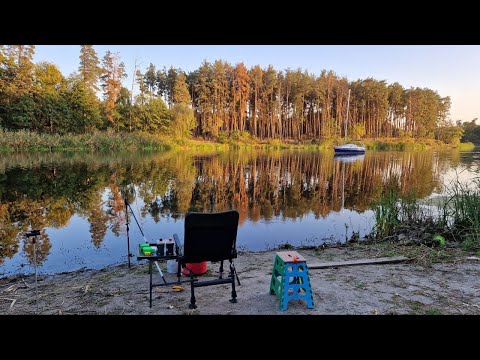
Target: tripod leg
{"points": [[161, 273], [35, 267], [151, 273]]}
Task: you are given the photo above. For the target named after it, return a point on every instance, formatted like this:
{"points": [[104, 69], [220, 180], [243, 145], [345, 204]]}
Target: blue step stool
{"points": [[290, 280]]}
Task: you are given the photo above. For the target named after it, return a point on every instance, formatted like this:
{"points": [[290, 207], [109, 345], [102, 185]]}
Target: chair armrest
{"points": [[178, 245]]}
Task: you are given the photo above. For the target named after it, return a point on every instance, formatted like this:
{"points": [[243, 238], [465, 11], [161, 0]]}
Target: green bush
{"points": [[467, 146]]}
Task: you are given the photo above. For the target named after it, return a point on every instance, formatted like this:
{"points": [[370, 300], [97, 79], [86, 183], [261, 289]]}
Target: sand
{"points": [[404, 288]]}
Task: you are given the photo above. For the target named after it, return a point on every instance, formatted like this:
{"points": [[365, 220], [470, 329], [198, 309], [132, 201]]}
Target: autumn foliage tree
{"points": [[112, 75]]}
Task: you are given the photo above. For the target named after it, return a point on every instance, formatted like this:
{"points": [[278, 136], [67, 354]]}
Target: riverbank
{"points": [[27, 141], [430, 284]]}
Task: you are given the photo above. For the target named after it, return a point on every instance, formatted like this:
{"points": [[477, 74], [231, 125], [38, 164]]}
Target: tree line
{"points": [[214, 101]]}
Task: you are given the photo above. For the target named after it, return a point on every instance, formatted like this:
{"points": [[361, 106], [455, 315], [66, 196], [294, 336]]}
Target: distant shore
{"points": [[27, 141]]}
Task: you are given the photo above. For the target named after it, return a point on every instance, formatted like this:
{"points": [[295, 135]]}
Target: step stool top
{"points": [[288, 256]]}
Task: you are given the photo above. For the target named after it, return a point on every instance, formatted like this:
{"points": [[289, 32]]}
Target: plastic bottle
{"points": [[170, 246], [154, 250], [172, 266], [161, 247]]}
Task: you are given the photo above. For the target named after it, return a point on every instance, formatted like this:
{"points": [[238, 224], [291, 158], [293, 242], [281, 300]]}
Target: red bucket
{"points": [[196, 268]]}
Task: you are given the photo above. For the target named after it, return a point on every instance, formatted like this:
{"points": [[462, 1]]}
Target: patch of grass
{"points": [[286, 246], [142, 270], [420, 254], [433, 311], [399, 144], [469, 244], [361, 286], [419, 308], [191, 312], [416, 307], [325, 256]]}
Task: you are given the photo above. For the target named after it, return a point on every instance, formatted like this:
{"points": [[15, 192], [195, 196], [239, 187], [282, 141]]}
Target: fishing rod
{"points": [[138, 224], [127, 206]]}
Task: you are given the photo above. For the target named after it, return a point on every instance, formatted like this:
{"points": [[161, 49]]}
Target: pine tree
{"points": [[171, 75], [241, 92], [20, 68], [150, 79], [89, 68], [180, 90]]}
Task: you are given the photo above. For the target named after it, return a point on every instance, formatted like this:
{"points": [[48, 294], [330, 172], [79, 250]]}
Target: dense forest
{"points": [[216, 101]]}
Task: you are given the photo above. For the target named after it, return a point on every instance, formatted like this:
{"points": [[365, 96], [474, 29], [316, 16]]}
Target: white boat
{"points": [[347, 149]]}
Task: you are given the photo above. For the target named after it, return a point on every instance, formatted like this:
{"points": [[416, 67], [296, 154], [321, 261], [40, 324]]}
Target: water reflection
{"points": [[47, 191], [344, 159]]}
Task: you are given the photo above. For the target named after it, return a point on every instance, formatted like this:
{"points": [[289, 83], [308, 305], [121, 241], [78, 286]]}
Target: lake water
{"points": [[295, 197]]}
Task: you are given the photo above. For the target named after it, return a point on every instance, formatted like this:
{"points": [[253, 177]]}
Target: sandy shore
{"points": [[405, 288]]}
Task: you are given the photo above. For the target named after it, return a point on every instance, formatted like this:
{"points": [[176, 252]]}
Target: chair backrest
{"points": [[210, 236]]}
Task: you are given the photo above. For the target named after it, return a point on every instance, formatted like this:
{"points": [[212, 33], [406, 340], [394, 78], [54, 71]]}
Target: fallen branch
{"points": [[384, 260], [10, 288]]}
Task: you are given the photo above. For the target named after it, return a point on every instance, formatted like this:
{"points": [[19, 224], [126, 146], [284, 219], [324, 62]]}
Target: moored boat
{"points": [[349, 149]]}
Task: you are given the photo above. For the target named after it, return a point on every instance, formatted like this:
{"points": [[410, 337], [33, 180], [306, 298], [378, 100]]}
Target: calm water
{"points": [[303, 198]]}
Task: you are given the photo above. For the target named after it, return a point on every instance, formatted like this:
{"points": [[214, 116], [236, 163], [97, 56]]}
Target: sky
{"points": [[452, 70]]}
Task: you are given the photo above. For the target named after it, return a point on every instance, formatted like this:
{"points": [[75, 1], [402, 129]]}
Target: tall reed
{"points": [[457, 216]]}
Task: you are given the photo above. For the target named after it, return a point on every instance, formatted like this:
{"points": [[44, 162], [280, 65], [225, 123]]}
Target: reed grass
{"points": [[457, 216], [25, 140]]}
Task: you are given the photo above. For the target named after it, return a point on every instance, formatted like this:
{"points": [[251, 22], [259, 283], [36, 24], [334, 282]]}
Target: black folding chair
{"points": [[209, 237]]}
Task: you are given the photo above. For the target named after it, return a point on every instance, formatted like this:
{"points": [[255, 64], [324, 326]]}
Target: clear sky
{"points": [[452, 70]]}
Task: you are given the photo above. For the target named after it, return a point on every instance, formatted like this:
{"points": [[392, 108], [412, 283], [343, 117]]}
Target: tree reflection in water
{"points": [[45, 190]]}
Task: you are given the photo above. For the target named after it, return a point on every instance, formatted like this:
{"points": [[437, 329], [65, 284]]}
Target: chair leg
{"points": [[221, 270], [192, 298], [235, 272], [232, 275], [179, 270]]}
